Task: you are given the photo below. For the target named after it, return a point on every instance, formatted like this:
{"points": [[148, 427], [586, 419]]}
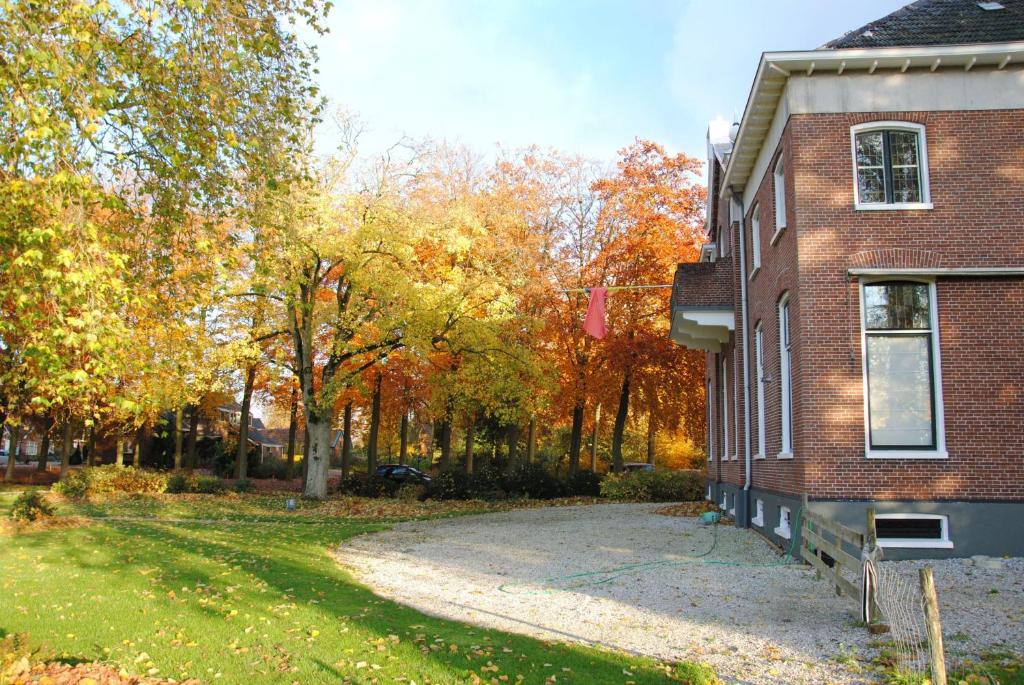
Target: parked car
{"points": [[636, 467], [401, 473]]}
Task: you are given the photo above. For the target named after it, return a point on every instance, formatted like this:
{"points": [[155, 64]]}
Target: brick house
{"points": [[860, 298]]}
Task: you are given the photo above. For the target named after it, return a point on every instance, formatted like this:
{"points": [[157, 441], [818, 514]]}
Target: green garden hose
{"points": [[572, 581]]}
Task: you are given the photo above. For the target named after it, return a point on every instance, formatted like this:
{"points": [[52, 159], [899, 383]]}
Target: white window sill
{"points": [[783, 533], [784, 455], [910, 543], [907, 454], [759, 522], [754, 272], [732, 512], [758, 456], [880, 207], [777, 235]]}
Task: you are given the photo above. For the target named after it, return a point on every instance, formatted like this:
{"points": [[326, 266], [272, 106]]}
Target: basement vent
{"points": [[990, 6], [913, 530]]}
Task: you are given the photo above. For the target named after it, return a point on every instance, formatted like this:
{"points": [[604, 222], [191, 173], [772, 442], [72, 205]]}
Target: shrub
{"points": [[208, 485], [103, 480], [583, 484], [412, 492], [657, 486], [178, 484], [449, 485], [533, 480], [486, 481], [271, 468], [242, 485], [30, 506]]}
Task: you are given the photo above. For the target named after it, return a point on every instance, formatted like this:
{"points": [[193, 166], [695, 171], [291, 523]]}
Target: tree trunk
{"points": [[652, 430], [119, 448], [179, 421], [403, 438], [346, 442], [242, 455], [13, 453], [193, 436], [446, 444], [620, 424], [513, 446], [65, 449], [318, 427], [137, 453], [44, 448], [371, 443], [470, 438], [593, 442], [531, 440], [293, 420], [576, 439], [305, 456]]}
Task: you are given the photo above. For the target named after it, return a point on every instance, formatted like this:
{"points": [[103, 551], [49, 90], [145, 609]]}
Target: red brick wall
{"points": [[976, 170]]}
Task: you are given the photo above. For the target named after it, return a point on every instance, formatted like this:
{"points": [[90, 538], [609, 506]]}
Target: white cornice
{"points": [[775, 68]]}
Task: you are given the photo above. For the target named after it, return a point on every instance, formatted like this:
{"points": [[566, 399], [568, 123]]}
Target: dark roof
{"points": [[939, 22]]}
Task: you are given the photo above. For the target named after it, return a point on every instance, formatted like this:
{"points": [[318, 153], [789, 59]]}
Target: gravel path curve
{"points": [[645, 589]]}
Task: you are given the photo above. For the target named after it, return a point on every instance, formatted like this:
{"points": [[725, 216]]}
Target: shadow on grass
{"points": [[289, 565]]}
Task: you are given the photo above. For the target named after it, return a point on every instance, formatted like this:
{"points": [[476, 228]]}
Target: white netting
{"points": [[899, 598]]}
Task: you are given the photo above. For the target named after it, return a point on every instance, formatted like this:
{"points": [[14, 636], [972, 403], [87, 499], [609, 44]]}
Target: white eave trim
{"points": [[775, 68], [993, 271]]}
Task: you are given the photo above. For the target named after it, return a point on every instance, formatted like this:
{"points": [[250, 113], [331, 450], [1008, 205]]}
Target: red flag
{"points": [[594, 321]]}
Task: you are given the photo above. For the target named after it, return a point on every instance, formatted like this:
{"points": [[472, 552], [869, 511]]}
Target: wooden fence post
{"points": [[934, 625], [871, 542]]}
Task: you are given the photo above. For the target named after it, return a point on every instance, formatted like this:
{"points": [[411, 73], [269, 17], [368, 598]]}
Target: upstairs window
{"points": [[755, 240], [779, 178], [890, 166]]}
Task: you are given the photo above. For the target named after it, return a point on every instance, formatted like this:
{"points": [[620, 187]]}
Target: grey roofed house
{"points": [[940, 22]]}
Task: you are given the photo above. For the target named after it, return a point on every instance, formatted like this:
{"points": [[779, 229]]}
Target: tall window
{"points": [[710, 432], [900, 366], [786, 374], [759, 354], [736, 402], [779, 178], [890, 165], [725, 410], [755, 239]]}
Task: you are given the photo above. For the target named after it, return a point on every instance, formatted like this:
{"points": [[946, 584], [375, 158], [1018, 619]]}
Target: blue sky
{"points": [[582, 76]]}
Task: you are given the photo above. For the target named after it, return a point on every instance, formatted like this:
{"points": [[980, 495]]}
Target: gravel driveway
{"points": [[621, 576]]}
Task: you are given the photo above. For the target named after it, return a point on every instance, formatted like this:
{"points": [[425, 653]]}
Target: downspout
{"points": [[743, 510]]}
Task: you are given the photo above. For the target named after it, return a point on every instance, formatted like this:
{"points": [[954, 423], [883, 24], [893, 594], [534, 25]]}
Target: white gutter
{"points": [[747, 463]]}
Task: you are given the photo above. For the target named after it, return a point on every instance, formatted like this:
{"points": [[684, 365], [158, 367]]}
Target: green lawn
{"points": [[236, 601]]}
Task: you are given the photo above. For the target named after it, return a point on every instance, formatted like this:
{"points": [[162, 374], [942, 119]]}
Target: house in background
{"points": [[860, 299]]}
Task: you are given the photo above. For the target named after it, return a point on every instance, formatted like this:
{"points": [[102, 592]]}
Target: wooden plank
{"points": [[851, 590], [936, 652], [833, 550], [841, 531]]}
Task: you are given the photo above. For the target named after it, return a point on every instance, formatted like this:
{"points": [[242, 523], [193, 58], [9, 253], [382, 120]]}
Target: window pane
{"points": [[871, 185], [905, 186], [869, 149], [903, 148], [900, 391], [896, 306], [917, 529]]}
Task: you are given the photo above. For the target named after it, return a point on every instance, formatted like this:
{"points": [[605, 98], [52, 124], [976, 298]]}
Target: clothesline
{"points": [[613, 288]]}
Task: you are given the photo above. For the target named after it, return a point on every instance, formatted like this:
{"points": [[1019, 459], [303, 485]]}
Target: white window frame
{"points": [[783, 530], [708, 496], [732, 509], [786, 379], [755, 240], [940, 418], [710, 428], [725, 500], [736, 404], [922, 153], [758, 519], [915, 543], [779, 188], [760, 379], [725, 410]]}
